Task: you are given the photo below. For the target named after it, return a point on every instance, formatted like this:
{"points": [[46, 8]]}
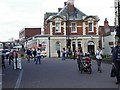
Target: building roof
{"points": [[76, 15], [48, 14], [111, 29]]}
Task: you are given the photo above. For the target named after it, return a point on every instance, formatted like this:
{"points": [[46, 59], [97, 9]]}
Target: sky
{"points": [[15, 15]]}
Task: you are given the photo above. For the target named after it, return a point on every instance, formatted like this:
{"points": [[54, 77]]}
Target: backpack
{"points": [[117, 49]]}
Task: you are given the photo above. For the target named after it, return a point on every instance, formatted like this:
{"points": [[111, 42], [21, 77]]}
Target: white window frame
{"points": [[75, 30], [59, 29], [91, 22]]}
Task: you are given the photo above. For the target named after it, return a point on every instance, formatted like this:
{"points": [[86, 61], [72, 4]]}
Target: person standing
{"points": [[34, 54], [99, 54], [3, 61], [58, 52], [74, 54], [116, 60], [28, 54], [38, 60], [63, 54], [11, 56]]}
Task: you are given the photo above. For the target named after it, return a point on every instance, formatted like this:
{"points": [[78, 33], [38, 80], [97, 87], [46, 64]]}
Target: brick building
{"points": [[26, 33], [107, 37], [68, 28], [71, 28]]}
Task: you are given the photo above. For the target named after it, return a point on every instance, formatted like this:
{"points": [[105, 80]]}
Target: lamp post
{"points": [[49, 46], [118, 27], [119, 18], [68, 39]]}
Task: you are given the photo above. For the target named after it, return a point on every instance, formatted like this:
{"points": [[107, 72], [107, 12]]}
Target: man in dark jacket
{"points": [[116, 60]]}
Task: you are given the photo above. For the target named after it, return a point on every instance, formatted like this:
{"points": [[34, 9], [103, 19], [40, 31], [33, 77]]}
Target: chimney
{"points": [[59, 9], [71, 2], [106, 25], [70, 6]]}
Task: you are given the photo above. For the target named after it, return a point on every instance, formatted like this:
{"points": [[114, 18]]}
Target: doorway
{"points": [[91, 48]]}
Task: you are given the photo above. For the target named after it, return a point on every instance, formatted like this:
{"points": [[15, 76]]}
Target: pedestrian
{"points": [[63, 54], [38, 60], [79, 55], [58, 52], [3, 61], [99, 55], [11, 56], [116, 60], [74, 54], [34, 54], [28, 54]]}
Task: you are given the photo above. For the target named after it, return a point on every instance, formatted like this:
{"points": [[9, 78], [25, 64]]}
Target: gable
{"points": [[91, 18]]}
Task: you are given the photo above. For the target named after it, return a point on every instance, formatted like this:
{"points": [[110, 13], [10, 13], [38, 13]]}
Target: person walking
{"points": [[116, 60], [63, 54], [79, 55], [38, 60], [99, 54]]}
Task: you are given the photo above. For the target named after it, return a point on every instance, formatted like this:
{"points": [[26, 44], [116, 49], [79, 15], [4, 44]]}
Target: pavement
{"points": [[55, 73]]}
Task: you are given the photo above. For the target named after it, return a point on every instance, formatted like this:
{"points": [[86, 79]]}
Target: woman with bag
{"points": [[116, 60]]}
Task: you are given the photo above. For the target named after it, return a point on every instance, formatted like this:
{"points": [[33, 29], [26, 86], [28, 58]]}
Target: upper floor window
{"points": [[90, 27], [74, 27], [57, 26]]}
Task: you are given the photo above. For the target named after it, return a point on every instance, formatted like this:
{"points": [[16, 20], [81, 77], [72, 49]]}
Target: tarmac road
{"points": [[55, 73]]}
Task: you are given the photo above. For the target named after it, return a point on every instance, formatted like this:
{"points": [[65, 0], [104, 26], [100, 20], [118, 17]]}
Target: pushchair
{"points": [[85, 65]]}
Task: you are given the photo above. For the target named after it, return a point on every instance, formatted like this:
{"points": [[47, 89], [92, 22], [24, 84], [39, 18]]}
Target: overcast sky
{"points": [[18, 14]]}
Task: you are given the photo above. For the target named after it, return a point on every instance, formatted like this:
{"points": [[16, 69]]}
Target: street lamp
{"points": [[49, 46]]}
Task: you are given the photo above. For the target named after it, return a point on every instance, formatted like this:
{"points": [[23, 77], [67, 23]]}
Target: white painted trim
{"points": [[84, 28], [64, 28], [97, 28], [92, 26], [51, 28], [60, 26]]}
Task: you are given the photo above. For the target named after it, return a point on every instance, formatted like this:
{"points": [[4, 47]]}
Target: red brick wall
{"points": [[30, 32]]}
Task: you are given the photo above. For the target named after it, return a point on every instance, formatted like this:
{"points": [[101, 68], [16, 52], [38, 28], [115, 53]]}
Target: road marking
{"points": [[19, 79]]}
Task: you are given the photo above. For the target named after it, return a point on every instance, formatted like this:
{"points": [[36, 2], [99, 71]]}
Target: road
{"points": [[55, 73]]}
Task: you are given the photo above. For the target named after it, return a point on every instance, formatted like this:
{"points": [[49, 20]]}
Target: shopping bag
{"points": [[113, 71]]}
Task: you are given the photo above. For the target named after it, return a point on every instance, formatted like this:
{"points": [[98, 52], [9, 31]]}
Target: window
{"points": [[74, 27], [90, 27], [57, 26]]}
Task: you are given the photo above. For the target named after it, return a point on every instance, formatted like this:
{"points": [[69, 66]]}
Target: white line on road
{"points": [[19, 79]]}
